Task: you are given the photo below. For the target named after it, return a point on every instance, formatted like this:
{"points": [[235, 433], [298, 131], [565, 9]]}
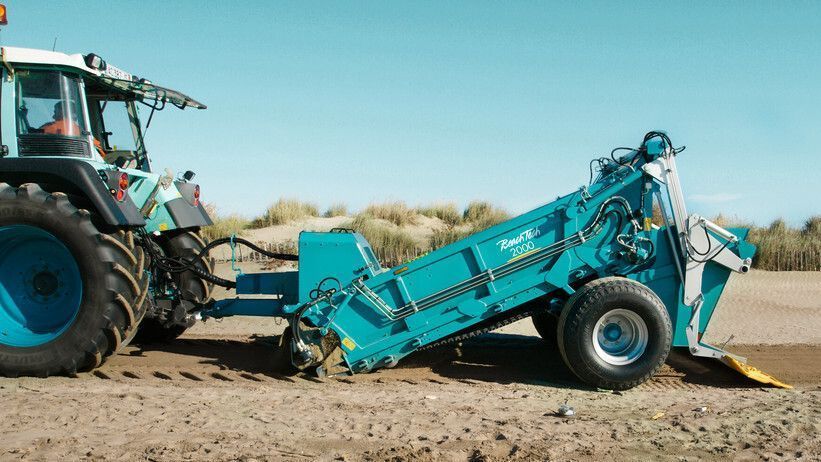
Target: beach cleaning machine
{"points": [[612, 290]]}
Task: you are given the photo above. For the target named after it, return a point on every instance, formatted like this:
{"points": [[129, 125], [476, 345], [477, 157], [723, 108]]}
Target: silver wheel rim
{"points": [[620, 337]]}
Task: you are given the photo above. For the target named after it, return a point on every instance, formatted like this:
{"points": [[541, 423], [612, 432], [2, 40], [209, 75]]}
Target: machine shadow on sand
{"points": [[493, 358]]}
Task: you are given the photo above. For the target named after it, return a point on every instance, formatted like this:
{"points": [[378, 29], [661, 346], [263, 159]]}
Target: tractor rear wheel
{"points": [[186, 245], [614, 333], [70, 294]]}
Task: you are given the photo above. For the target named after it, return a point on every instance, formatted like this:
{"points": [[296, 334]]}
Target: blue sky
{"points": [[430, 101]]}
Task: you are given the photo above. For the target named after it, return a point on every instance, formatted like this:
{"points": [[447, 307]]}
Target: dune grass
{"points": [[779, 247], [782, 248], [394, 245], [336, 210], [284, 211], [812, 227], [481, 215], [223, 225], [391, 244], [396, 212], [477, 216], [447, 212], [443, 237]]}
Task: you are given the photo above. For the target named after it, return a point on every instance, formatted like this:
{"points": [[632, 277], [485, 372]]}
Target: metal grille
{"points": [[52, 145]]}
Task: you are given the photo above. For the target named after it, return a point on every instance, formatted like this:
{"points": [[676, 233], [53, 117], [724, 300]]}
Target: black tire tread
{"points": [[546, 324], [587, 297], [125, 264], [188, 245]]}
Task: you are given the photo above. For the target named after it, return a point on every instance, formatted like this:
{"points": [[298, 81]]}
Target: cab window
{"points": [[50, 114], [117, 133], [48, 103], [113, 130]]}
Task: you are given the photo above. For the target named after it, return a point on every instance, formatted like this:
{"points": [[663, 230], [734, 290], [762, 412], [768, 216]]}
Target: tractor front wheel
{"points": [[70, 294]]}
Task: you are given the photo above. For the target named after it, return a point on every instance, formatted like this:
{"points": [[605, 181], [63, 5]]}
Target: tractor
{"points": [[97, 248]]}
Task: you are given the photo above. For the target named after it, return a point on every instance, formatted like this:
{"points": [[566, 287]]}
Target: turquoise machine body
{"points": [[383, 314]]}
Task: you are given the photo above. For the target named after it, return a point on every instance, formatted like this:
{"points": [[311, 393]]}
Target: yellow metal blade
{"points": [[753, 373]]}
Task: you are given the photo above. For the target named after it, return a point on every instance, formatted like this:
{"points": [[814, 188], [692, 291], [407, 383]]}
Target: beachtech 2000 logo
{"points": [[519, 244]]}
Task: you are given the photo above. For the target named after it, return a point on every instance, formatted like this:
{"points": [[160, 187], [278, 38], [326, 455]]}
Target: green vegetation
{"points": [[223, 226], [388, 227], [447, 212], [782, 248], [812, 227], [397, 213], [477, 216], [391, 244], [482, 215], [284, 211], [443, 237], [384, 226], [779, 247], [336, 210]]}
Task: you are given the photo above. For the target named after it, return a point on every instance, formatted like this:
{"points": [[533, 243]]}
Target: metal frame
{"points": [[694, 231]]}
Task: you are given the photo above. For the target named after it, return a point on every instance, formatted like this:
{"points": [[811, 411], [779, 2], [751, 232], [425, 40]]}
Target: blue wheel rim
{"points": [[40, 287]]}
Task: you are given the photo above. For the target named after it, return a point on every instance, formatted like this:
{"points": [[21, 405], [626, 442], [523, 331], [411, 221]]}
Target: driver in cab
{"points": [[63, 126], [60, 125]]}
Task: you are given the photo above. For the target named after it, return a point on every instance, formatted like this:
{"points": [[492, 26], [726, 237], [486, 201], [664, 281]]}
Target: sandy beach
{"points": [[212, 395]]}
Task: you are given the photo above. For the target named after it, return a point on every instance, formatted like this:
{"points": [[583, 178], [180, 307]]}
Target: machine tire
{"points": [[546, 325], [605, 302], [186, 245], [90, 284]]}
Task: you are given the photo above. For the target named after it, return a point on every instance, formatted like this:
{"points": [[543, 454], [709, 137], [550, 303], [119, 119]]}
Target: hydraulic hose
{"points": [[247, 243], [179, 265]]}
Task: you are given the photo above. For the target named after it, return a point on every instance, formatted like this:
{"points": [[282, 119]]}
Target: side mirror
{"points": [[188, 175]]}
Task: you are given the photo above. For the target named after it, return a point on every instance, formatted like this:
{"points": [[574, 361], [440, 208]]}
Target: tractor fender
{"points": [[72, 176], [183, 210], [186, 215]]}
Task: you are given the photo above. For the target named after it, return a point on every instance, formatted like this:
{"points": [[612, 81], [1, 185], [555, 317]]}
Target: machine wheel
{"points": [[70, 295], [186, 245], [614, 333], [546, 325]]}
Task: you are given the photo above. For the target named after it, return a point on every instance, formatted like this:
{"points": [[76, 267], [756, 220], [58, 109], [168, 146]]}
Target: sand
{"points": [[213, 396]]}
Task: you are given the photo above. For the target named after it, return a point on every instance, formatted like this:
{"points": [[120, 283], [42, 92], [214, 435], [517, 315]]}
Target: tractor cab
{"points": [[80, 106], [72, 122]]}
